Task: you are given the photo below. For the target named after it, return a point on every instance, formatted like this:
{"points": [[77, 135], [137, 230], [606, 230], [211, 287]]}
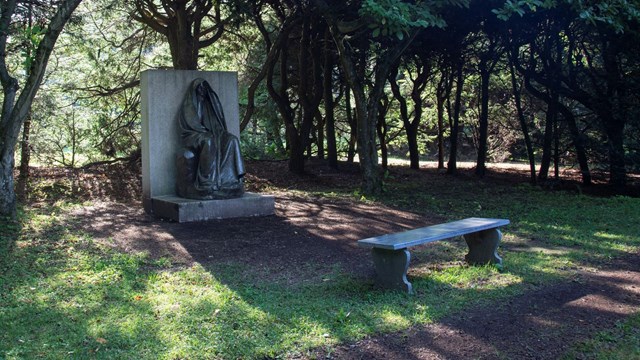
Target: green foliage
{"points": [[520, 7], [620, 15], [89, 107], [397, 18], [260, 147], [32, 36]]}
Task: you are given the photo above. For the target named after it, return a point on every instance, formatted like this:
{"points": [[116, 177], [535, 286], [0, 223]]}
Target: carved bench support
{"points": [[483, 247], [391, 268]]}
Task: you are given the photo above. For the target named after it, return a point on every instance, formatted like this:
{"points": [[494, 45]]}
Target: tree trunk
{"points": [[281, 98], [184, 53], [332, 152], [367, 98], [453, 139], [382, 138], [614, 121], [310, 83], [442, 93], [25, 159], [578, 142], [7, 193], [523, 125], [615, 134], [296, 151], [320, 135], [551, 118], [556, 149], [273, 50], [414, 157], [368, 154], [485, 75], [353, 126]]}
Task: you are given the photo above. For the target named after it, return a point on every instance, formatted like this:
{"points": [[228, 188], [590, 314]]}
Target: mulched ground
{"points": [[309, 236]]}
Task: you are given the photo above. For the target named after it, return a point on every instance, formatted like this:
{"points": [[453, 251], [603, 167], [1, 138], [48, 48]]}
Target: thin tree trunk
{"points": [[409, 126], [7, 194], [453, 148], [578, 142], [556, 149], [523, 125], [615, 134], [272, 57], [551, 118], [332, 152], [353, 125], [382, 135], [25, 158], [382, 131], [442, 93], [614, 121], [485, 75], [320, 135]]}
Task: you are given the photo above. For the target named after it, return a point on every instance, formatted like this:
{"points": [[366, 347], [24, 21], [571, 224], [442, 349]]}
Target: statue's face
{"points": [[200, 92]]}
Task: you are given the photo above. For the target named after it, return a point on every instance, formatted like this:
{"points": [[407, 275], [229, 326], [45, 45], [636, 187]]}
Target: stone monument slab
{"points": [[162, 92]]}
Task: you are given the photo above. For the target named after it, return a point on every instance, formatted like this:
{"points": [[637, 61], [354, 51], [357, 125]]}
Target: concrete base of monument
{"points": [[190, 210]]}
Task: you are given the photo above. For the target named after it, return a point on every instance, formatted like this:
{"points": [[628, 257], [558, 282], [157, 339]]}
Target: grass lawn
{"points": [[64, 296]]}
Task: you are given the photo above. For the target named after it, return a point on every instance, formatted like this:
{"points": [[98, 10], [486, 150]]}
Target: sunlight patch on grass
{"points": [[389, 321]]}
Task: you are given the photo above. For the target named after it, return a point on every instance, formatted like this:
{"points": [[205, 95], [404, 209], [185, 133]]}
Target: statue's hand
{"points": [[206, 140]]}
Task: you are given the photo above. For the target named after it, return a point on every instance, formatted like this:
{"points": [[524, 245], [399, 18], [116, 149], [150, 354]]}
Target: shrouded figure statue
{"points": [[210, 165]]}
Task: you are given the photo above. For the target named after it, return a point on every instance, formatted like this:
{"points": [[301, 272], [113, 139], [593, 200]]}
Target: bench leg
{"points": [[483, 247], [391, 268]]}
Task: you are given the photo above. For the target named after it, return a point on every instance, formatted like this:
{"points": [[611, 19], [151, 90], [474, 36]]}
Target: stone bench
{"points": [[391, 255]]}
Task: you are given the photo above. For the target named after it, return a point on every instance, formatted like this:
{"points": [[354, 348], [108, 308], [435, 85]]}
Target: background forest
{"points": [[550, 83]]}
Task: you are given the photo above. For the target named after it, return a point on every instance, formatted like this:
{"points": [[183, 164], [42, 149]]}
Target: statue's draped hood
{"points": [[201, 113]]}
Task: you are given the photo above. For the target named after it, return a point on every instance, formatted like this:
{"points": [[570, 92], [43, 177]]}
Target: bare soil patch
{"points": [[312, 235]]}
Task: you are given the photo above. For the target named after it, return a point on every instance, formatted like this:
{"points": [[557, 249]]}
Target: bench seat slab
{"points": [[391, 269], [432, 233]]}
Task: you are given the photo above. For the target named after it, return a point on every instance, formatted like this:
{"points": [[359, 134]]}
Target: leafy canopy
{"points": [[620, 15], [397, 18]]}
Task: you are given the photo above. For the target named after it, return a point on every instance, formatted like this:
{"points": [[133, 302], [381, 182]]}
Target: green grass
{"points": [[64, 296]]}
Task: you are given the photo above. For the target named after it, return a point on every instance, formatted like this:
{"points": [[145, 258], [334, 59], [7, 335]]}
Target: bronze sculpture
{"points": [[209, 165]]}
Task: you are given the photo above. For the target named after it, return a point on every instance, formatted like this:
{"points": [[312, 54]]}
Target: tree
{"points": [[188, 25], [411, 119], [597, 56], [388, 28], [15, 106]]}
